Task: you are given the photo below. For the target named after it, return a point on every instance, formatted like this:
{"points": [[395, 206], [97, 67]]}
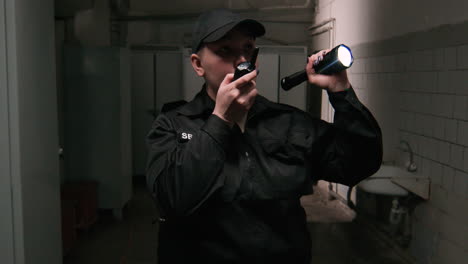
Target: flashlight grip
{"points": [[294, 79]]}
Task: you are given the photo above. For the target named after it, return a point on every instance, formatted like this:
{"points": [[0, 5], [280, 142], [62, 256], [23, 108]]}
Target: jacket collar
{"points": [[202, 104]]}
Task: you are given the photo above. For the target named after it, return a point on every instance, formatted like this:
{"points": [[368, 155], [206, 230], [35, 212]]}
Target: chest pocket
{"points": [[291, 149]]}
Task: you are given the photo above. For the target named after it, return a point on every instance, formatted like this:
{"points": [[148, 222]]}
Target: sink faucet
{"points": [[411, 166]]}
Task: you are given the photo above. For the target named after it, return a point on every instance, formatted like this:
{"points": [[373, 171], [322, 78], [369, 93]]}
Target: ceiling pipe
{"points": [[189, 16], [320, 24], [304, 6]]}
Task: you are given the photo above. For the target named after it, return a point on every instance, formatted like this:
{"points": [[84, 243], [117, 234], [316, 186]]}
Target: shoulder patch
{"points": [[172, 105]]}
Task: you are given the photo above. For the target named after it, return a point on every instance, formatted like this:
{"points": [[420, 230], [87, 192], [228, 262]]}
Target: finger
{"points": [[247, 86], [310, 66], [245, 79], [247, 89], [318, 56], [246, 100], [227, 79]]}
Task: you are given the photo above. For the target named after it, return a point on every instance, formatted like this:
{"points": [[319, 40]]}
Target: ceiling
{"points": [[275, 10]]}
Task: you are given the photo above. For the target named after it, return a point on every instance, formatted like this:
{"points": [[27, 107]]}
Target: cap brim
{"points": [[252, 26]]}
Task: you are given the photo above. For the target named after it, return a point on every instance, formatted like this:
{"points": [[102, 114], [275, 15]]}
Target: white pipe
{"points": [[320, 24], [305, 5]]}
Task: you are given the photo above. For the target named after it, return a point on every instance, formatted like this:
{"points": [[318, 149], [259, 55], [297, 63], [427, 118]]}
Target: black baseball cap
{"points": [[214, 24]]}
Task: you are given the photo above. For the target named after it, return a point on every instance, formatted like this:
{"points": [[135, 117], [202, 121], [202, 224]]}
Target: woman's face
{"points": [[222, 56]]}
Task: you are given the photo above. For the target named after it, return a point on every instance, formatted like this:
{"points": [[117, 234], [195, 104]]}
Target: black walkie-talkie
{"points": [[246, 67], [241, 70]]}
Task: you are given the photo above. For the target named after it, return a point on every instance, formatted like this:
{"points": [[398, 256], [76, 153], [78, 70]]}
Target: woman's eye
{"points": [[224, 51], [249, 49]]}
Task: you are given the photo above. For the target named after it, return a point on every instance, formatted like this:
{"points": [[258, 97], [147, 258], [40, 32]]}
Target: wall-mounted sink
{"points": [[396, 181], [381, 182]]}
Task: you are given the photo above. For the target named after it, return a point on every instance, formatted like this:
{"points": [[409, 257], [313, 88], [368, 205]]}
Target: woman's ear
{"points": [[196, 64]]}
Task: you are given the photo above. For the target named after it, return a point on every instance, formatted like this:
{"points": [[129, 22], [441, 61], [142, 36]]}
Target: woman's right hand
{"points": [[235, 98]]}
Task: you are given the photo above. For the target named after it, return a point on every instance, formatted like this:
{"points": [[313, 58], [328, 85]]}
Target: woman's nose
{"points": [[240, 59]]}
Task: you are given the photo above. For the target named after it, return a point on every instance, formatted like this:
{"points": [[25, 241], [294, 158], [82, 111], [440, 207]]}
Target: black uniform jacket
{"points": [[233, 197]]}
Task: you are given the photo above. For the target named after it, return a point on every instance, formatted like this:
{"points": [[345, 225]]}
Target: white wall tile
{"points": [[370, 65], [449, 252], [465, 160], [462, 137], [413, 126], [443, 152], [403, 81], [460, 185], [424, 147], [411, 84], [451, 130], [439, 198], [439, 127], [428, 215], [439, 59], [424, 241], [453, 81], [415, 143], [425, 81], [454, 230], [461, 107], [466, 110], [456, 156], [415, 103], [456, 206], [444, 82], [404, 101], [351, 77], [422, 60], [401, 62], [433, 149], [462, 57], [389, 64], [443, 105], [404, 119], [427, 125], [436, 173], [417, 124], [356, 81], [410, 63], [376, 64], [448, 174], [424, 168], [450, 58], [427, 103], [433, 110], [460, 81], [357, 67]]}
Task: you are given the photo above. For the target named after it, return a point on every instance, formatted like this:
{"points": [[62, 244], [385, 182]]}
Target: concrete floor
{"points": [[338, 235]]}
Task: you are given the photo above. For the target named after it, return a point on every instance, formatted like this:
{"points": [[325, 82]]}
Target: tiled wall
{"points": [[421, 95]]}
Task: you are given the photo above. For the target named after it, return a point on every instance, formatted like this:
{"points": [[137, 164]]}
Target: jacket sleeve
{"points": [[350, 149], [181, 176]]}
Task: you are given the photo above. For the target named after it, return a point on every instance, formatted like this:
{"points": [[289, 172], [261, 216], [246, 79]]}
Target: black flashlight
{"points": [[338, 59], [246, 67]]}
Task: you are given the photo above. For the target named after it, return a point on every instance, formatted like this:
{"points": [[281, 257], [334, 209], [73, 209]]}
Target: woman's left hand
{"points": [[336, 82]]}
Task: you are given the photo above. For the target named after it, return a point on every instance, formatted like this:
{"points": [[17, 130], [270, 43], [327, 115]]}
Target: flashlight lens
{"points": [[344, 56]]}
